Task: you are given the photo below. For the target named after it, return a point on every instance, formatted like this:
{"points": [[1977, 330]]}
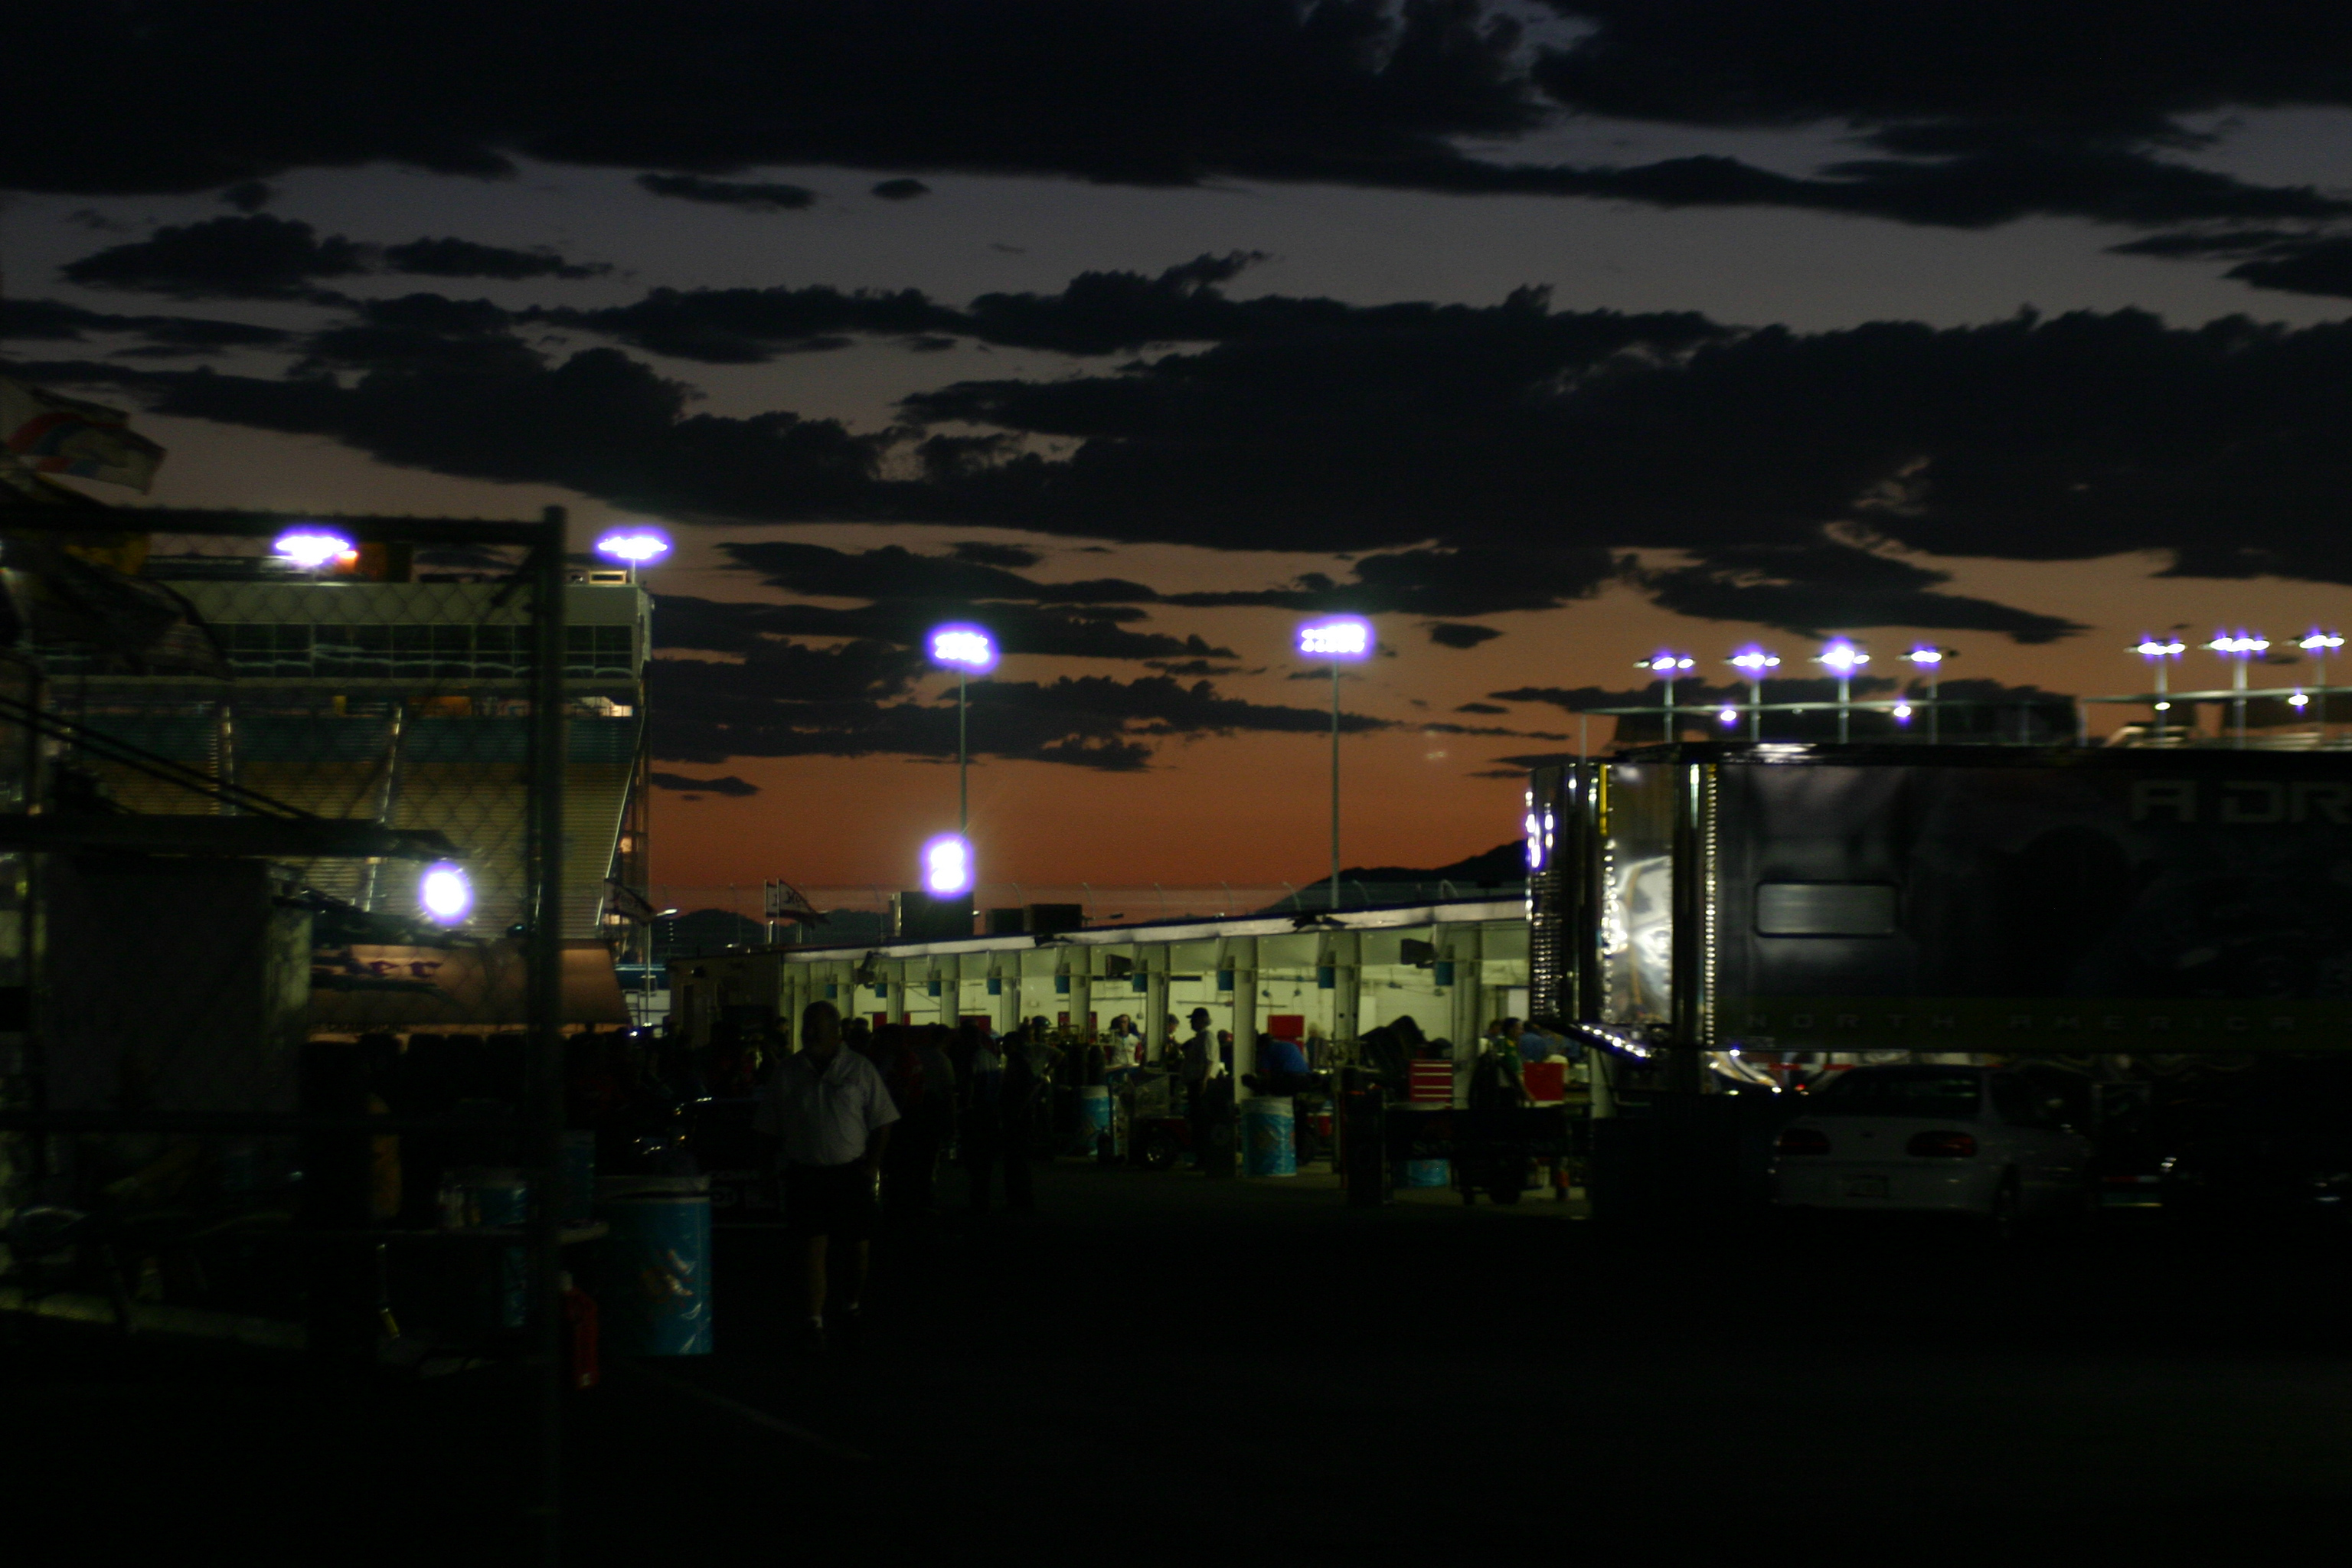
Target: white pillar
{"points": [[1155, 1004], [1244, 958]]}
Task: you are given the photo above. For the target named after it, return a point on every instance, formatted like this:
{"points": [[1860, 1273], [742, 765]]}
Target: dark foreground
{"points": [[1157, 1368]]}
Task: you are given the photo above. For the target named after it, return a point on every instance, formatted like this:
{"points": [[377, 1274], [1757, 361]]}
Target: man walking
{"points": [[832, 1113]]}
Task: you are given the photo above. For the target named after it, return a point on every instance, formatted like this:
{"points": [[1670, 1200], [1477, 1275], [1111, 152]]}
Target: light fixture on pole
{"points": [[636, 546], [311, 548], [1842, 658], [2160, 652], [1929, 661], [2239, 649], [1752, 662], [2319, 645], [445, 893], [947, 866], [968, 651], [1667, 667], [1337, 639]]}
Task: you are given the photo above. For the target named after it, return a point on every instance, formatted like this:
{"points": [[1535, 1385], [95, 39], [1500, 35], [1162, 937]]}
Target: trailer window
{"points": [[1824, 909]]}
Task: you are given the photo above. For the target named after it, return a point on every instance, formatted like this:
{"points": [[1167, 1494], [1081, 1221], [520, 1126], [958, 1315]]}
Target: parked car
{"points": [[1977, 1142], [2278, 1148]]}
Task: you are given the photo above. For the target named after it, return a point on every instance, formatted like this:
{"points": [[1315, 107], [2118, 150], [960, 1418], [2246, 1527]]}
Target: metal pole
{"points": [[2162, 705], [2238, 703], [545, 998], [1670, 736], [963, 791], [1846, 689], [1755, 708], [1335, 787], [1935, 708]]}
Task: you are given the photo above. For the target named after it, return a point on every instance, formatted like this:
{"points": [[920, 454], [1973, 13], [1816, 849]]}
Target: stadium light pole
{"points": [[2318, 644], [311, 548], [2240, 649], [968, 651], [1337, 640], [1667, 667], [2159, 652], [1929, 662], [636, 546], [1752, 662], [1842, 658]]}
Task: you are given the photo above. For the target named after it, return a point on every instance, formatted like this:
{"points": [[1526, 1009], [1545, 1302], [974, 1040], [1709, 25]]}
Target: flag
{"points": [[54, 434]]}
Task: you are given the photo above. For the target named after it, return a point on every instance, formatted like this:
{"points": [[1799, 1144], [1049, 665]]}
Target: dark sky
{"points": [[1547, 335]]}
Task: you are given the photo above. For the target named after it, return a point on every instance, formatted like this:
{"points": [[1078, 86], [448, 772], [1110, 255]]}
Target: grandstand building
{"points": [[405, 703]]}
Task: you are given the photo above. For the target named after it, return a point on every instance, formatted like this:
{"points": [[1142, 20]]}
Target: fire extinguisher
{"points": [[580, 1366]]}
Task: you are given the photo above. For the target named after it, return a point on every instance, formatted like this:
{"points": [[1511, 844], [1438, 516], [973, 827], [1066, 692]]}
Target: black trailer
{"points": [[1699, 898]]}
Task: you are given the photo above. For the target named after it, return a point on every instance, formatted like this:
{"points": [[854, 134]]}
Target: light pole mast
{"points": [[1337, 640]]}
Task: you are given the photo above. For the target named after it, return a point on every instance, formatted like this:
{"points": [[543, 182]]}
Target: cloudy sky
{"points": [[1547, 335]]}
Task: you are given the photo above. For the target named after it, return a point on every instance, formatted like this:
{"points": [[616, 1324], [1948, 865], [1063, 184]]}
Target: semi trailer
{"points": [[1750, 900]]}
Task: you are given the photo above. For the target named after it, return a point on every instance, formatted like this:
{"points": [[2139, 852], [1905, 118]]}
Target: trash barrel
{"points": [[1269, 1136], [657, 1293], [1094, 1117], [1424, 1173]]}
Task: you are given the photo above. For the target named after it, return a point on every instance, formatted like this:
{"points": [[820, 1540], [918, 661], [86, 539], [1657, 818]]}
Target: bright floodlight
{"points": [[1728, 717], [2320, 642], [2299, 701], [1903, 712], [634, 546], [1843, 657], [1340, 637], [311, 548], [1926, 656], [445, 892], [1667, 664], [1755, 660], [947, 866], [2244, 645], [968, 648], [2159, 647]]}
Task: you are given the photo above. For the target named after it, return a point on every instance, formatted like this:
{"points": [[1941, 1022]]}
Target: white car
{"points": [[1965, 1141]]}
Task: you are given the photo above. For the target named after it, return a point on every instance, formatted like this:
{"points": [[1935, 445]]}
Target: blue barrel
{"points": [[503, 1198], [1269, 1136], [656, 1299], [1424, 1173], [1093, 1116]]}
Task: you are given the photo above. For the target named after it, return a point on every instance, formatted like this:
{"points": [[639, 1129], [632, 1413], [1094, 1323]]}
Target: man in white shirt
{"points": [[831, 1112]]}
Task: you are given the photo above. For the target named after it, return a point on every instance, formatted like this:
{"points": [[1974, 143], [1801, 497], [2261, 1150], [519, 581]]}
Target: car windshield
{"points": [[1899, 1091]]}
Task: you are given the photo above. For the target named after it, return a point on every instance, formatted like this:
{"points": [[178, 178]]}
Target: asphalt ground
{"points": [[1162, 1368]]}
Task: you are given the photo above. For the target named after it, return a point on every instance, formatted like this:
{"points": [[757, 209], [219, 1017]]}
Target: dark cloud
{"points": [[726, 785], [791, 701], [597, 421], [1987, 111], [1475, 461], [249, 195], [1481, 708], [1159, 95], [2310, 266], [746, 326], [1973, 114], [893, 572], [1197, 668], [901, 190], [735, 627], [985, 552], [1460, 634], [466, 258], [52, 321], [1816, 588], [256, 257], [750, 196]]}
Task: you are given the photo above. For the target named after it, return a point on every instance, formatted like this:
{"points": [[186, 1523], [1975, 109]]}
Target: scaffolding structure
{"points": [[212, 809]]}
